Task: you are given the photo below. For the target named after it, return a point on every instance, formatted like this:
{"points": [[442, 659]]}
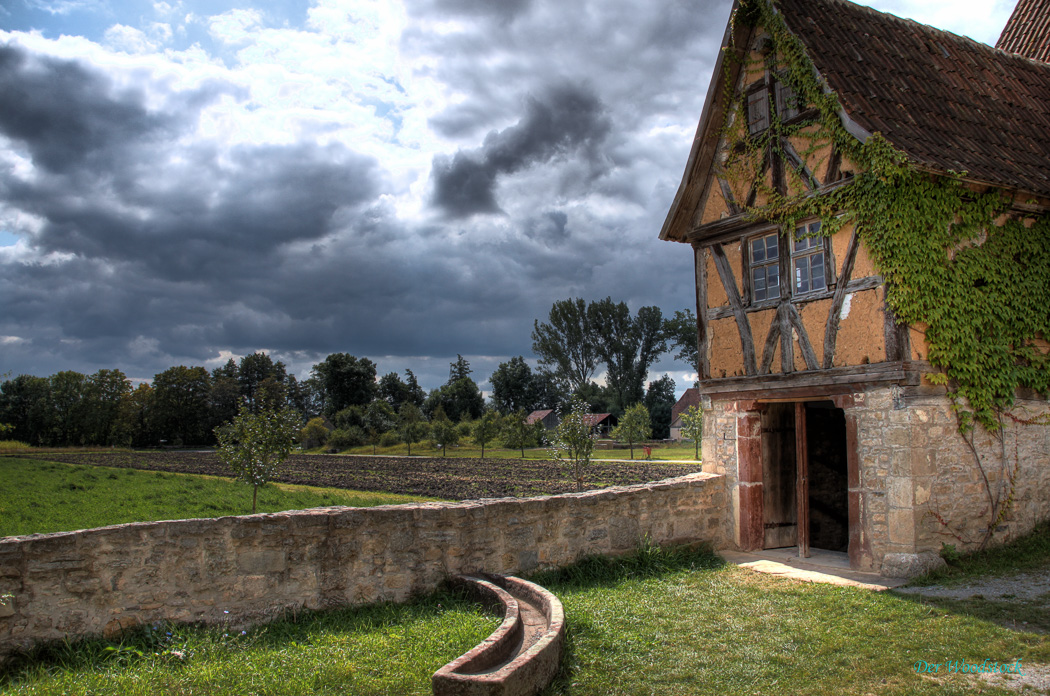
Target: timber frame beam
{"points": [[810, 383]]}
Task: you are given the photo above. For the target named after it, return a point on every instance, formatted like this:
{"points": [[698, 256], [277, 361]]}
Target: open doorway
{"points": [[805, 480]]}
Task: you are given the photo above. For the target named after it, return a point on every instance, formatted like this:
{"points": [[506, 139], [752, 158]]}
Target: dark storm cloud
{"points": [[502, 9], [66, 114], [550, 228], [104, 154], [151, 245], [567, 118]]}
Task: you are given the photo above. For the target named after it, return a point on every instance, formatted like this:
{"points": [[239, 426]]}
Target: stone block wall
{"points": [[915, 482], [251, 568]]}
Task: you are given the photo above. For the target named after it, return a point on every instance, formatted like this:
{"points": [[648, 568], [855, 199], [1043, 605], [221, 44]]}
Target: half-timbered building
{"points": [[829, 417]]}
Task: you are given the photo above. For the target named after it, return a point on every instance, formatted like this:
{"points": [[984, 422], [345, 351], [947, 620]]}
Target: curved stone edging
{"points": [[522, 656]]}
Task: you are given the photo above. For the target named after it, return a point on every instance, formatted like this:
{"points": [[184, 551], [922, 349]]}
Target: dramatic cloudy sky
{"points": [[406, 180]]}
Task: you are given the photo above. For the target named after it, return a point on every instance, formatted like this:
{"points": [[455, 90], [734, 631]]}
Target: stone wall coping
{"points": [[303, 515]]}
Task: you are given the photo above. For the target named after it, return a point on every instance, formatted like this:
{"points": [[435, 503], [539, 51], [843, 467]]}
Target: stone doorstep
{"points": [[810, 572]]}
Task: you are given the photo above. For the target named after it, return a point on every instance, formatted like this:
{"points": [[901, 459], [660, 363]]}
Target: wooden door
{"points": [[779, 486], [802, 480]]}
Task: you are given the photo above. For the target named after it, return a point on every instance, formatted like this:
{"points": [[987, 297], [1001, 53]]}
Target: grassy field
{"points": [[39, 497], [447, 478], [664, 453], [661, 622]]}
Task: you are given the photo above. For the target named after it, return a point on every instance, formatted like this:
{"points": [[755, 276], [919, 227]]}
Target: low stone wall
{"points": [[251, 568]]}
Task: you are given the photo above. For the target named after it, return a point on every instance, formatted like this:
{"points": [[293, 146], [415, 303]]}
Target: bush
{"points": [[390, 439], [345, 438], [314, 434], [12, 446]]}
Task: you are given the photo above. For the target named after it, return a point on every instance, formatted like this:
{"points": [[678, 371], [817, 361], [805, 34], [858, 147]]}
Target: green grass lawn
{"points": [[662, 622], [381, 649], [41, 497]]}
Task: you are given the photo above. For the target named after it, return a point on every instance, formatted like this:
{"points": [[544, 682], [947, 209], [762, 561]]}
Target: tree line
{"points": [[183, 405]]}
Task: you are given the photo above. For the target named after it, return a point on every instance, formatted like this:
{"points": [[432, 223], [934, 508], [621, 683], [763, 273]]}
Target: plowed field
{"points": [[451, 479]]}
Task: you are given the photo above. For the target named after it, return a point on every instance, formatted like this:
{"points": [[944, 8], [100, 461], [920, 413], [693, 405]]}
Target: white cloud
{"points": [[128, 39], [236, 27], [64, 7]]}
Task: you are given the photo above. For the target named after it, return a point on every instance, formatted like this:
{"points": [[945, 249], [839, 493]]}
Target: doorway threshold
{"points": [[828, 567]]}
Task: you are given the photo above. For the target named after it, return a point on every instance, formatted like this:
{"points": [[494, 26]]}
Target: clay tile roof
{"points": [[1028, 31], [950, 103], [691, 397], [596, 419], [538, 416]]}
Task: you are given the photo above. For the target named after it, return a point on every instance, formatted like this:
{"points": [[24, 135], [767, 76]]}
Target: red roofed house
{"points": [[601, 423], [866, 202], [691, 397], [548, 417]]}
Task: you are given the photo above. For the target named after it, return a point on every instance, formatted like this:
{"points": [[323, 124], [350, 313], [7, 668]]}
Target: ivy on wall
{"points": [[956, 260]]}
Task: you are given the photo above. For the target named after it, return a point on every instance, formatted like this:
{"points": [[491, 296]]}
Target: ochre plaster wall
{"points": [[726, 358], [254, 567], [716, 292], [715, 207], [760, 324], [861, 339], [815, 321]]}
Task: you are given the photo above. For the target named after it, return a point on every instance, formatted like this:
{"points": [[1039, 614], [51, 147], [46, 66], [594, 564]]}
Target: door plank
{"points": [[802, 481]]}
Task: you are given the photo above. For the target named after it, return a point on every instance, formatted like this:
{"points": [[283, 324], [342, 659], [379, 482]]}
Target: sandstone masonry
{"points": [[914, 484], [251, 568]]}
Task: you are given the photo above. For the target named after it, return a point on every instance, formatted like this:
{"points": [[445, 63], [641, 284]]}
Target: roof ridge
{"points": [[961, 87], [882, 15]]}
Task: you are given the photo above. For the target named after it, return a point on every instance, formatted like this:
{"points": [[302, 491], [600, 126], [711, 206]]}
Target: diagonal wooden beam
{"points": [[798, 165], [771, 346], [727, 195], [834, 165], [831, 334], [761, 177], [803, 337], [725, 272]]}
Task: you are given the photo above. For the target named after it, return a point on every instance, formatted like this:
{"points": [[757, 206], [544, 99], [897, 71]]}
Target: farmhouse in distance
{"points": [[866, 200]]}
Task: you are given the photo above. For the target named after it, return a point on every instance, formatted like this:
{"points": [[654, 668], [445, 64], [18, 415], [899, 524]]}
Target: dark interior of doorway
{"points": [[828, 477], [828, 509]]}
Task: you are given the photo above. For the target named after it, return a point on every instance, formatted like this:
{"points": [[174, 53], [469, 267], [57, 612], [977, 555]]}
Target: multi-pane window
{"points": [[807, 256], [765, 268]]}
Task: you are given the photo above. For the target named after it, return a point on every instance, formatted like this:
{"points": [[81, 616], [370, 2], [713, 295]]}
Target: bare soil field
{"points": [[450, 479]]}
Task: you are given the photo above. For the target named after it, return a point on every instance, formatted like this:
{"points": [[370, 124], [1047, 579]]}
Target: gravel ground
{"points": [[1023, 587]]}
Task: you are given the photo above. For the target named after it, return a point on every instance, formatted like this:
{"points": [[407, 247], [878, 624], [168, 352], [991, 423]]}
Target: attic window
{"points": [[757, 110], [786, 104], [787, 101]]}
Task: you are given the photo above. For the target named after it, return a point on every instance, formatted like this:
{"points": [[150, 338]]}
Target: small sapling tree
{"points": [[255, 444], [693, 427], [443, 430], [379, 419], [485, 429], [573, 439], [410, 424], [518, 433], [635, 426]]}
